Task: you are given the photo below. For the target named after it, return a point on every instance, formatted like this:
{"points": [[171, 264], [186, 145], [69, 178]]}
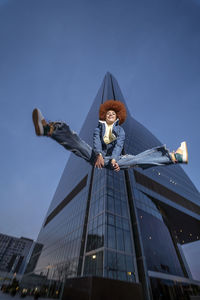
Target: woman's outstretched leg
{"points": [[157, 156], [61, 132]]}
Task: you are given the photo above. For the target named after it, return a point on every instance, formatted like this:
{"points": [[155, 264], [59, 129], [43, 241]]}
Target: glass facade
{"points": [[160, 253], [108, 224], [173, 290], [109, 237]]}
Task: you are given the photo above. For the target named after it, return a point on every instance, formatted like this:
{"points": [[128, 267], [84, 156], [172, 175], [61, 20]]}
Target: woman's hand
{"points": [[115, 165], [99, 162]]}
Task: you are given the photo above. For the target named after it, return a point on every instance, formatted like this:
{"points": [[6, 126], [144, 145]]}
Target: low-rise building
{"points": [[13, 253]]}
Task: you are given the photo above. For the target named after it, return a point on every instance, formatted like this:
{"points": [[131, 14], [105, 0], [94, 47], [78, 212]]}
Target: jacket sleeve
{"points": [[119, 145], [97, 145]]}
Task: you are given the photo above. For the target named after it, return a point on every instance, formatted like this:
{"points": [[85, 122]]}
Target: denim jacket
{"points": [[112, 149]]}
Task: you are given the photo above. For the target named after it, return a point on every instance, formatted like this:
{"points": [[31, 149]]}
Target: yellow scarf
{"points": [[109, 136]]}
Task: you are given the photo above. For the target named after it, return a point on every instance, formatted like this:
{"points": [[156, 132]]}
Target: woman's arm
{"points": [[119, 145], [97, 146]]}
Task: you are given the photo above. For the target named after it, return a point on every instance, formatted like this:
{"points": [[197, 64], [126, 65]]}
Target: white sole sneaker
{"points": [[37, 121], [183, 147]]}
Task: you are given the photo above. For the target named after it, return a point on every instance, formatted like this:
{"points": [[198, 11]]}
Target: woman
{"points": [[108, 141]]}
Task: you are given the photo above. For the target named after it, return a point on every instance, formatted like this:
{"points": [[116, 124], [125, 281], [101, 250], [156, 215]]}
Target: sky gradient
{"points": [[54, 55]]}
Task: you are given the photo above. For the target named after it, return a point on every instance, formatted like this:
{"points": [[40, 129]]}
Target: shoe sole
{"points": [[37, 117], [185, 152]]}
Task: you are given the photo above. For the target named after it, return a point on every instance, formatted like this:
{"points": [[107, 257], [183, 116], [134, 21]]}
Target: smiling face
{"points": [[111, 117]]}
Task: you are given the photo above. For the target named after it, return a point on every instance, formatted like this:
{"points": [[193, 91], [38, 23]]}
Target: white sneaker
{"points": [[181, 153]]}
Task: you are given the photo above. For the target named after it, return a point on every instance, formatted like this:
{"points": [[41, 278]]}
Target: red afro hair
{"points": [[115, 105]]}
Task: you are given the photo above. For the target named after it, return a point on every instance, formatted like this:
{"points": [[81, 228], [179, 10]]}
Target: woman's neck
{"points": [[109, 123]]}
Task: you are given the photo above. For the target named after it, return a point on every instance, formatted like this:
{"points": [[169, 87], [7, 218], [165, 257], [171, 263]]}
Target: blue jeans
{"points": [[70, 140]]}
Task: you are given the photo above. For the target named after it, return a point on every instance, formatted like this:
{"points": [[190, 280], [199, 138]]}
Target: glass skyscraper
{"points": [[128, 225]]}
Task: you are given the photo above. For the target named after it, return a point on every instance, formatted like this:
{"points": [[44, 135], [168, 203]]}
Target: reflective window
{"points": [[94, 264], [119, 266], [159, 249]]}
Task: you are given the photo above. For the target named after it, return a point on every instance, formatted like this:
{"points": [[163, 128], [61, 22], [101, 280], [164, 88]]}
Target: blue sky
{"points": [[54, 55]]}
